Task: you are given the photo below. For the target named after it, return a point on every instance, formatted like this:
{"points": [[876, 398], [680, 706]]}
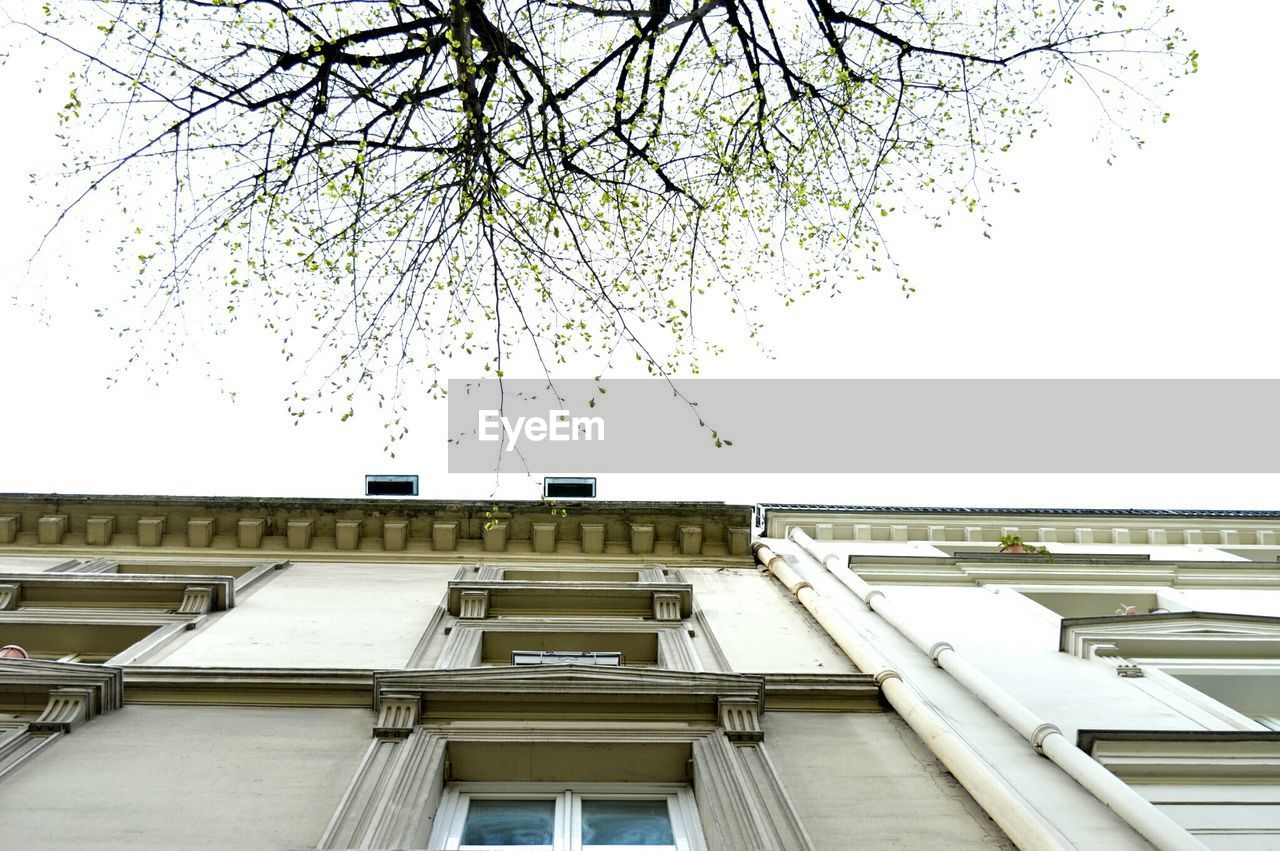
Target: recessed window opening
{"points": [[390, 485], [566, 657], [511, 575], [633, 649]]}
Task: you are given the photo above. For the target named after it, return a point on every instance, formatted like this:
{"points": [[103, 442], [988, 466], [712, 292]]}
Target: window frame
{"points": [[451, 816]]}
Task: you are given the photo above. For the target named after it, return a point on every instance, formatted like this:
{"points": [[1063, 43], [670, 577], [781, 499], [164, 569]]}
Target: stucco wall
{"points": [[165, 777], [760, 627], [864, 780], [323, 616]]}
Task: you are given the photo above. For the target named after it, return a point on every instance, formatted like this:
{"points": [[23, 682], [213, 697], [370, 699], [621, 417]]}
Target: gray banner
{"points": [[870, 426]]}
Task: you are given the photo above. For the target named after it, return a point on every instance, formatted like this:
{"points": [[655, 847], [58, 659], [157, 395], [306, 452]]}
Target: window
{"points": [[548, 817], [566, 657]]}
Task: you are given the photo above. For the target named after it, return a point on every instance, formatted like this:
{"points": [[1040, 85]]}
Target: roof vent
{"points": [[569, 487], [390, 485]]}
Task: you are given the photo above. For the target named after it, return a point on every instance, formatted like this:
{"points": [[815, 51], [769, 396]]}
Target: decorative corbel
{"points": [[9, 592], [197, 600], [473, 605], [666, 606], [740, 720], [397, 716], [68, 707]]}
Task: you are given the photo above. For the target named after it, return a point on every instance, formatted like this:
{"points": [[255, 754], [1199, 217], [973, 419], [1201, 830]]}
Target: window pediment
{"points": [[1181, 635], [574, 692]]}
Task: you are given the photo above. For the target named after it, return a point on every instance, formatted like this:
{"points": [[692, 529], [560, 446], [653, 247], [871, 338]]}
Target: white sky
{"points": [[1160, 266]]}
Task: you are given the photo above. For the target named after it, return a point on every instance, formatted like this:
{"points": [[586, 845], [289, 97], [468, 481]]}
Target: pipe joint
{"points": [[871, 595], [800, 586], [887, 674], [1042, 732], [938, 648]]}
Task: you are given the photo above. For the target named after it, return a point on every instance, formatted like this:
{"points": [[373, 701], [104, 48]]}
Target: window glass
{"points": [[633, 822], [509, 822]]}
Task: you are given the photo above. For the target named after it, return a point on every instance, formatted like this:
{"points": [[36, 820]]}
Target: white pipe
{"points": [[1143, 816], [1020, 821]]}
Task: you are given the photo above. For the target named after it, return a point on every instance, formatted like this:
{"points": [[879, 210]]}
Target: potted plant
{"points": [[1014, 544]]}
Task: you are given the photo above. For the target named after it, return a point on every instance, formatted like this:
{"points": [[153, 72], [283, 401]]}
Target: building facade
{"points": [[214, 673]]}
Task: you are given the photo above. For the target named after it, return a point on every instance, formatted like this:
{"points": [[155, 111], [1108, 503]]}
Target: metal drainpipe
{"points": [[1021, 822], [1143, 816]]}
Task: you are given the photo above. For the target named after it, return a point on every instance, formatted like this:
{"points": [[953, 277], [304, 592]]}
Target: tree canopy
{"points": [[390, 184]]}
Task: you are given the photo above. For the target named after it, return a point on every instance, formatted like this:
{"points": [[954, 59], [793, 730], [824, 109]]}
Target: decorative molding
{"points": [[392, 800], [495, 538], [986, 527], [821, 693], [568, 692], [197, 600], [642, 538], [397, 716], [1201, 756], [534, 597], [738, 540], [67, 708], [200, 531], [690, 540], [472, 604], [151, 531], [543, 537], [249, 533], [740, 800], [98, 531], [248, 686], [72, 694], [9, 592], [346, 534], [464, 642], [666, 606], [50, 529], [298, 534], [740, 718], [444, 536], [592, 538], [9, 526], [395, 535], [376, 528], [1179, 635], [105, 592]]}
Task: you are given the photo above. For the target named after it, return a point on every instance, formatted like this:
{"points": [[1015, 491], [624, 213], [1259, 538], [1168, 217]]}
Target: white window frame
{"points": [[451, 817]]}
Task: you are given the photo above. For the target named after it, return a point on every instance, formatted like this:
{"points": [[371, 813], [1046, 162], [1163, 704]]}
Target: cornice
{"points": [[986, 526], [373, 529], [334, 687], [1065, 569]]}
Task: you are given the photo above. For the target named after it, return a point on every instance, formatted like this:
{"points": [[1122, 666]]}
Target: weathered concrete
{"points": [[165, 777]]}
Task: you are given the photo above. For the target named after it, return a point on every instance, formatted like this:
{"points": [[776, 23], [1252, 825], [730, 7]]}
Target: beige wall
{"points": [[864, 780], [760, 627], [167, 777], [323, 616]]}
